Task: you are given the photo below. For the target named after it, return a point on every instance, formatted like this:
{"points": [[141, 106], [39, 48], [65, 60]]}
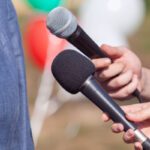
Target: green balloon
{"points": [[44, 5]]}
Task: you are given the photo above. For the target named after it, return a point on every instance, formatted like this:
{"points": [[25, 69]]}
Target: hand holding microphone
{"points": [[121, 78], [63, 24], [74, 73]]}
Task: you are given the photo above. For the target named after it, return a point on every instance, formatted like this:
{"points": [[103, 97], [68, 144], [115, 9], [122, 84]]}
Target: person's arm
{"points": [[145, 93]]}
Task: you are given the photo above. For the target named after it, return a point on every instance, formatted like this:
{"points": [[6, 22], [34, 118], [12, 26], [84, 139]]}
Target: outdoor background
{"points": [[77, 124]]}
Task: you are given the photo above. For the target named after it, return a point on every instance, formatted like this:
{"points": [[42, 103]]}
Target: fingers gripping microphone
{"points": [[63, 24], [75, 73]]}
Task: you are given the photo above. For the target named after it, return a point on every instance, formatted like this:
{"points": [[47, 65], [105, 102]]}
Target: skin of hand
{"points": [[122, 77], [138, 113]]}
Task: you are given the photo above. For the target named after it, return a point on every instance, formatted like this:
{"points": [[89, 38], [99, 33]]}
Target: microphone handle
{"points": [[85, 44], [93, 91], [146, 145], [81, 40]]}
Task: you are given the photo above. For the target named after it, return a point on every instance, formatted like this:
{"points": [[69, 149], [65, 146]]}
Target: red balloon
{"points": [[42, 45]]}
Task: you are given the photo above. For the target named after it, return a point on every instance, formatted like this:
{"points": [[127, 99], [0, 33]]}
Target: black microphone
{"points": [[62, 23], [75, 73]]}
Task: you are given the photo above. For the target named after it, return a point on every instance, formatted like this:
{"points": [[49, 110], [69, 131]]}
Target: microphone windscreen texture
{"points": [[71, 69], [61, 22]]}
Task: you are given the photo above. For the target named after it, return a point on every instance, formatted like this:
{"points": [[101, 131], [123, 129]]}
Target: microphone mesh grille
{"points": [[71, 69], [61, 22]]}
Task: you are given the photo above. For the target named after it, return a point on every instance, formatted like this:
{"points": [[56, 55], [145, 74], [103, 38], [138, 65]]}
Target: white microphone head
{"points": [[61, 22]]}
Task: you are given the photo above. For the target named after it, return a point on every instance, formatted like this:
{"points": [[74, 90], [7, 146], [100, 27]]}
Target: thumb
{"points": [[112, 52], [139, 116]]}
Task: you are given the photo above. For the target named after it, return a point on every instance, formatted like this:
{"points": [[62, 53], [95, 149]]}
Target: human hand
{"points": [[121, 78], [138, 113]]}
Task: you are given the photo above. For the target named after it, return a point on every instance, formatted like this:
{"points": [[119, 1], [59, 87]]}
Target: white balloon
{"points": [[125, 16], [106, 35]]}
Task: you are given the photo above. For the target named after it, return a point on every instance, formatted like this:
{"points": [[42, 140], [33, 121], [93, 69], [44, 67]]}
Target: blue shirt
{"points": [[15, 131]]}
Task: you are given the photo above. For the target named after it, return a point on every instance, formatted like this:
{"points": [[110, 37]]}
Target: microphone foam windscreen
{"points": [[61, 22], [71, 69]]}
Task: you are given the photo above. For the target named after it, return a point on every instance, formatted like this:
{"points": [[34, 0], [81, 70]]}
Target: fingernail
{"points": [[107, 45], [119, 128], [107, 60], [130, 114], [130, 133]]}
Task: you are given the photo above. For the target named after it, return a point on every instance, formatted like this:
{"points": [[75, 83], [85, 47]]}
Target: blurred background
{"points": [[61, 121]]}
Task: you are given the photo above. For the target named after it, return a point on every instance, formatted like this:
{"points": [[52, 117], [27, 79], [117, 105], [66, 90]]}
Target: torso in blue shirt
{"points": [[15, 132]]}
